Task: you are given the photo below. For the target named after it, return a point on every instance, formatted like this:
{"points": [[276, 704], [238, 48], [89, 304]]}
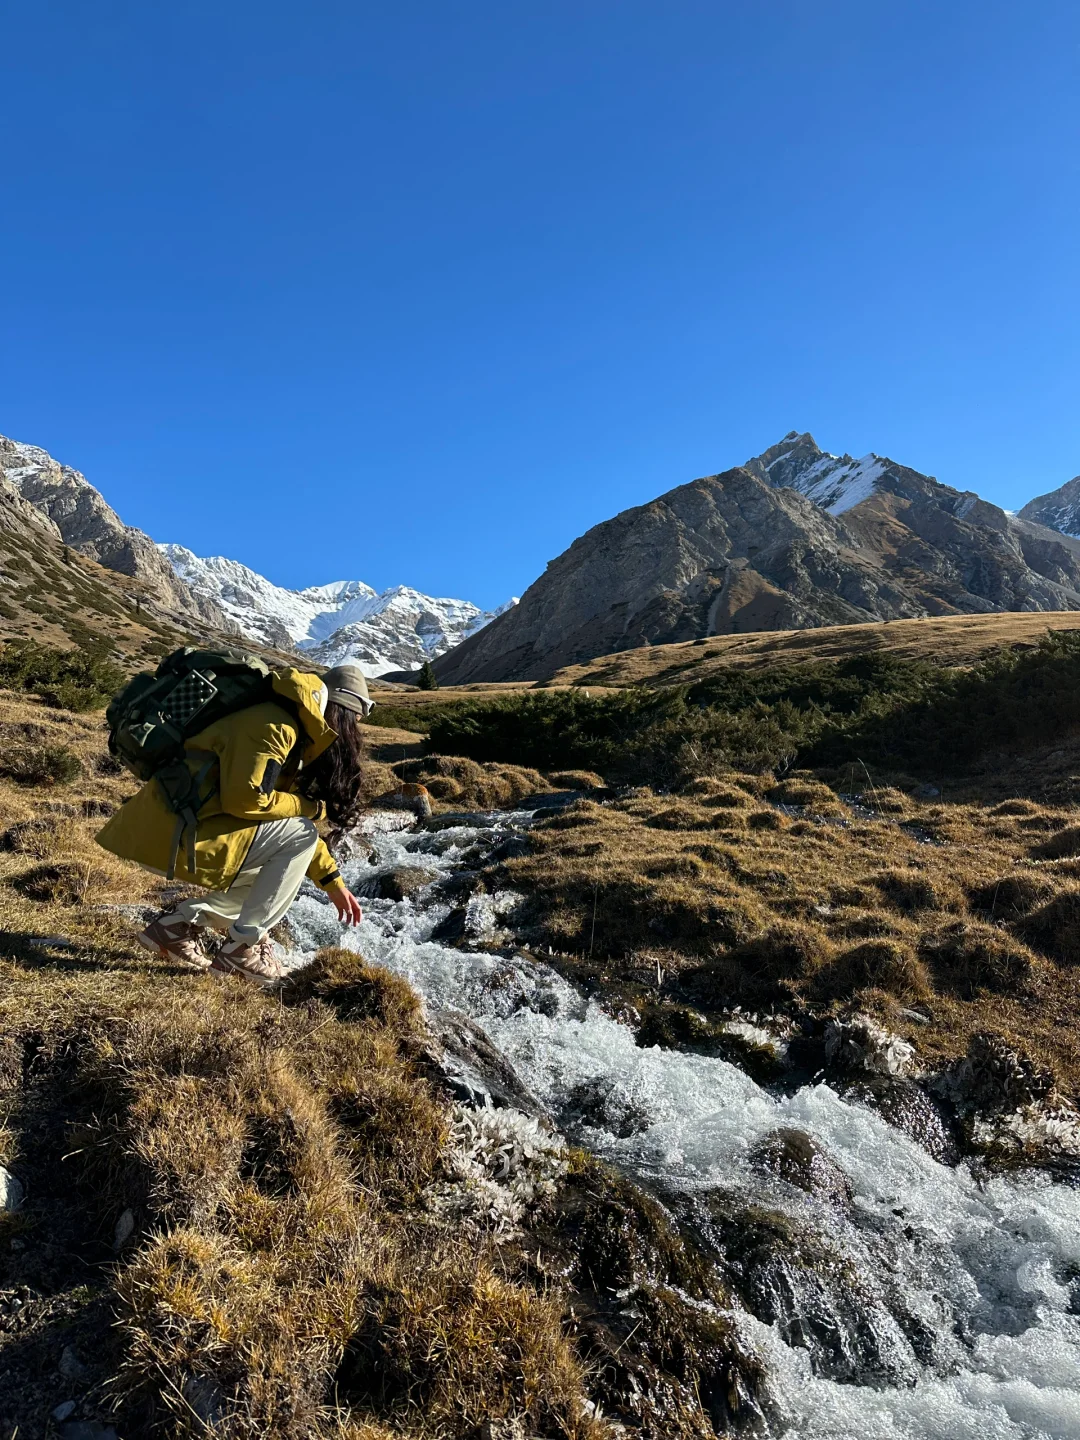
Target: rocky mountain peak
{"points": [[835, 482], [795, 538], [1057, 510]]}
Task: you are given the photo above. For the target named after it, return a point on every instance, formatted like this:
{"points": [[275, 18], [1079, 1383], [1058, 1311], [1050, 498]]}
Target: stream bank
{"points": [[850, 1282]]}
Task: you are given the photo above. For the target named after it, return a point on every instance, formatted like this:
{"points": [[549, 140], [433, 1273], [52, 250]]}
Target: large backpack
{"points": [[154, 716]]}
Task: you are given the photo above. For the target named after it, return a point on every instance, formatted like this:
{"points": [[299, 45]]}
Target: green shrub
{"points": [[400, 717], [44, 764], [81, 679], [903, 713]]}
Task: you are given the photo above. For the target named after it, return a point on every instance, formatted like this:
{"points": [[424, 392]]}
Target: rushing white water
{"points": [[968, 1292]]}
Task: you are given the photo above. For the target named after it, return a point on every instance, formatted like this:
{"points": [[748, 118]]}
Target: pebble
{"points": [[64, 1411], [12, 1193], [123, 1230], [71, 1367]]}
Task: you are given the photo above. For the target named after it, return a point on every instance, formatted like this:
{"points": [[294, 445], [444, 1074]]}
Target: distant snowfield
{"points": [[838, 483], [345, 620]]}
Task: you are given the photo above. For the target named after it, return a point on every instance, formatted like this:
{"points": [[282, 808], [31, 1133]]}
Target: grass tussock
{"points": [[576, 780], [458, 783], [884, 964], [909, 903]]}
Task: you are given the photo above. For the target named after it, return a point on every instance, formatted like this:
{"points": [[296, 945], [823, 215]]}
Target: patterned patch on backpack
{"points": [[188, 698]]}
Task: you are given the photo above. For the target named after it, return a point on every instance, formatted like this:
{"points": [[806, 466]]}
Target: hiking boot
{"points": [[255, 962], [174, 939]]}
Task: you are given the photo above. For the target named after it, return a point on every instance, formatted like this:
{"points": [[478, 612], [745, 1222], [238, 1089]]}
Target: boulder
{"points": [[908, 1107], [476, 1071], [796, 1157], [403, 882]]}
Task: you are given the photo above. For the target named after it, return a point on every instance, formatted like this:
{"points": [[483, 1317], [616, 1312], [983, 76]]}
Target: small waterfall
{"points": [[907, 1299]]}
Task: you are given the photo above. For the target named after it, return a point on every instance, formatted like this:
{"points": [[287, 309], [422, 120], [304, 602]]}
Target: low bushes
{"points": [[40, 764], [79, 679], [904, 713]]}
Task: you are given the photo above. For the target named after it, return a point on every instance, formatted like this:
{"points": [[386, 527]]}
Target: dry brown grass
{"points": [[274, 1152], [457, 783], [285, 1276], [947, 906], [949, 640]]}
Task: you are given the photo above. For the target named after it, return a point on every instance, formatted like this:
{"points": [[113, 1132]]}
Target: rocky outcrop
{"points": [[794, 539], [18, 517], [82, 519]]}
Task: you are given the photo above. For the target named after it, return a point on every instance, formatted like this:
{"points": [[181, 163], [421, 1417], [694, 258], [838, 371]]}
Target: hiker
{"points": [[269, 772]]}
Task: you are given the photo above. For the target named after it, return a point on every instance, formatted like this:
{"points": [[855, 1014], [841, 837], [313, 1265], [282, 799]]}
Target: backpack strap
{"points": [[183, 795]]}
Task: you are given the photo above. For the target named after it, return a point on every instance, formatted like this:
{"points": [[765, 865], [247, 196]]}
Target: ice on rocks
{"points": [[11, 1191], [861, 1044], [500, 1164]]}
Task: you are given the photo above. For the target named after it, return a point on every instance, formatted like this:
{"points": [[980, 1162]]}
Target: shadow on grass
{"points": [[34, 951]]}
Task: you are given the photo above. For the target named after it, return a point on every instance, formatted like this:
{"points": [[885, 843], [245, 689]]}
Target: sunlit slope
{"points": [[951, 639]]}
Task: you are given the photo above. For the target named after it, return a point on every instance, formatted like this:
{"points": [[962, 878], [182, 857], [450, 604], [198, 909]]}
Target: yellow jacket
{"points": [[252, 747]]}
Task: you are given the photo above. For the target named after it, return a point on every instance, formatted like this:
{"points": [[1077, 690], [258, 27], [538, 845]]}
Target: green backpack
{"points": [[154, 716]]}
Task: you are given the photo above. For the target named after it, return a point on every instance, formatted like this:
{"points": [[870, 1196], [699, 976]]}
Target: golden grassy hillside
{"points": [[52, 594], [943, 918], [950, 640], [245, 1214]]}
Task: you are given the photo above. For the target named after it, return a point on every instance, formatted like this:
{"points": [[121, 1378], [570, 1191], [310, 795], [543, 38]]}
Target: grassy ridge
{"points": [[908, 713]]}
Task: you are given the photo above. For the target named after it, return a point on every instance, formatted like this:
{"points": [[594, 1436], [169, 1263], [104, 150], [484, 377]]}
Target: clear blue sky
{"points": [[418, 291]]}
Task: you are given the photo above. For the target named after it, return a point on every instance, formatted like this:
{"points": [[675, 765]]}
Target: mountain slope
{"points": [[51, 593], [346, 620], [1058, 510], [794, 539], [83, 520], [961, 640]]}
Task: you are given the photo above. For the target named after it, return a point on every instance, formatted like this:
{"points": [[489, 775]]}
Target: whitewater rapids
{"points": [[991, 1269]]}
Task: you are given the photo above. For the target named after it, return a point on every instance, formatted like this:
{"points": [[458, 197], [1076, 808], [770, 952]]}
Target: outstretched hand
{"points": [[345, 903]]}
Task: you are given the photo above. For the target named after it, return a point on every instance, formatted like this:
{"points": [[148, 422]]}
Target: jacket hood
{"points": [[307, 696]]}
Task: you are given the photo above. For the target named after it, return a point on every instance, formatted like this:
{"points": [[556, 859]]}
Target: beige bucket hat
{"points": [[347, 687]]}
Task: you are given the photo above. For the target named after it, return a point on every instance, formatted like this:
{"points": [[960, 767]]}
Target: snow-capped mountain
{"points": [[835, 482], [794, 538], [1059, 510], [345, 620]]}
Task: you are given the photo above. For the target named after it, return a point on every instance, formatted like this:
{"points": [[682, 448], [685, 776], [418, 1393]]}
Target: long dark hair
{"points": [[336, 776]]}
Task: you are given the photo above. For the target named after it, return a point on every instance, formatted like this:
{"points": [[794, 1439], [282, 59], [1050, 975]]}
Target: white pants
{"points": [[264, 889]]}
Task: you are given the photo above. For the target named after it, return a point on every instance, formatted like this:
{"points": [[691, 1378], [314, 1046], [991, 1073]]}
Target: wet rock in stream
{"points": [[403, 882], [649, 1313], [908, 1107], [793, 1274], [476, 1071], [798, 1158]]}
